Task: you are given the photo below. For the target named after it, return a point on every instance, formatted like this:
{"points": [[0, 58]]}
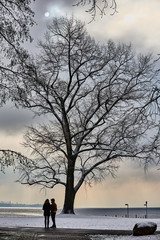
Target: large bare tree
{"points": [[101, 102]]}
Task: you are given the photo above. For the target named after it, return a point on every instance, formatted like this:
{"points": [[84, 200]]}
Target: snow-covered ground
{"points": [[86, 222]]}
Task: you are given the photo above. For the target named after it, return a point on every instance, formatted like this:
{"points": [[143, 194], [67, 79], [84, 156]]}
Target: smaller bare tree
{"points": [[10, 158], [16, 18], [98, 5]]}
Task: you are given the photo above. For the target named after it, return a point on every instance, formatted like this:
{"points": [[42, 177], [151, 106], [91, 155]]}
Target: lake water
{"points": [[112, 212], [121, 212]]}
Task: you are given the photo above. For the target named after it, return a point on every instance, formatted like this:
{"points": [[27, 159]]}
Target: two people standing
{"points": [[49, 210]]}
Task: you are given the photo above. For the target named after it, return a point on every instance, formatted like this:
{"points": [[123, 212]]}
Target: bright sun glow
{"points": [[46, 14]]}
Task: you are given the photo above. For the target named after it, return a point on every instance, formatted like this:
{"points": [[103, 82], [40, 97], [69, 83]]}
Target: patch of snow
{"points": [[145, 224]]}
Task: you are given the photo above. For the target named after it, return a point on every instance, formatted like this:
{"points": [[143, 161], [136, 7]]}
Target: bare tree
{"points": [[10, 158], [98, 5], [16, 18], [101, 102]]}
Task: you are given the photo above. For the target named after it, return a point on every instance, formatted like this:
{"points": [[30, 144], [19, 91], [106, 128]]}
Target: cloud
{"points": [[136, 22], [54, 8], [14, 120], [131, 186], [15, 192]]}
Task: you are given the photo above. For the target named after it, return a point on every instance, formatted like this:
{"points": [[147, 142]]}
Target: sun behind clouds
{"points": [[55, 11], [46, 14]]}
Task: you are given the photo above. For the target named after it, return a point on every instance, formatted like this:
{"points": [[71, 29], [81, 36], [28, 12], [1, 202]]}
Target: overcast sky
{"points": [[136, 22]]}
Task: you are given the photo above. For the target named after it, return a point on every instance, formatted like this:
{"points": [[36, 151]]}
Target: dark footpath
{"points": [[59, 233]]}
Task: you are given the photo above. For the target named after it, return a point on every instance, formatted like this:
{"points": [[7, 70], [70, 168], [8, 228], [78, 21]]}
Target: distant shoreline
{"points": [[9, 204]]}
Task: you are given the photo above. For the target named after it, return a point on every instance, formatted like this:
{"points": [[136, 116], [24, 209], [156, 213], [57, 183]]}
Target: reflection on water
{"points": [[17, 211]]}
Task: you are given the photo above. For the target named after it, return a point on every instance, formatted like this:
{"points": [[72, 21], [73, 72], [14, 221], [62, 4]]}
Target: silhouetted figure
{"points": [[53, 212], [47, 210]]}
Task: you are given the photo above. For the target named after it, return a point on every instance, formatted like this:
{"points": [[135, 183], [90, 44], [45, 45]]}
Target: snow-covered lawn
{"points": [[86, 222]]}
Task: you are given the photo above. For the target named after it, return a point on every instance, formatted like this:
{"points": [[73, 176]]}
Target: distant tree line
{"points": [[10, 204]]}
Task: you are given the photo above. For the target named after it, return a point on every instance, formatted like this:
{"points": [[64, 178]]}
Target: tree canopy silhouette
{"points": [[102, 106]]}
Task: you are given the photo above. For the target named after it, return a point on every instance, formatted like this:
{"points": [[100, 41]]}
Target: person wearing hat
{"points": [[53, 212]]}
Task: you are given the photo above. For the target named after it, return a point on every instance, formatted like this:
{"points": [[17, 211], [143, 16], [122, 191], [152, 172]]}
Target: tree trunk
{"points": [[69, 191], [69, 202]]}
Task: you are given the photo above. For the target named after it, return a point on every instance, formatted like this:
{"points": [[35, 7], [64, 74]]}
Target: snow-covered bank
{"points": [[77, 221], [85, 222]]}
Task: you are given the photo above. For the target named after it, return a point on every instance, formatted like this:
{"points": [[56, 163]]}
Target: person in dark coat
{"points": [[53, 212], [47, 209]]}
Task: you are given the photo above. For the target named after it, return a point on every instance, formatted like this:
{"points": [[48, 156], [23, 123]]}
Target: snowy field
{"points": [[85, 222]]}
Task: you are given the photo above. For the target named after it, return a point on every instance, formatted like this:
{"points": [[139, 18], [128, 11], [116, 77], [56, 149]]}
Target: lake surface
{"points": [[112, 212], [121, 212]]}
